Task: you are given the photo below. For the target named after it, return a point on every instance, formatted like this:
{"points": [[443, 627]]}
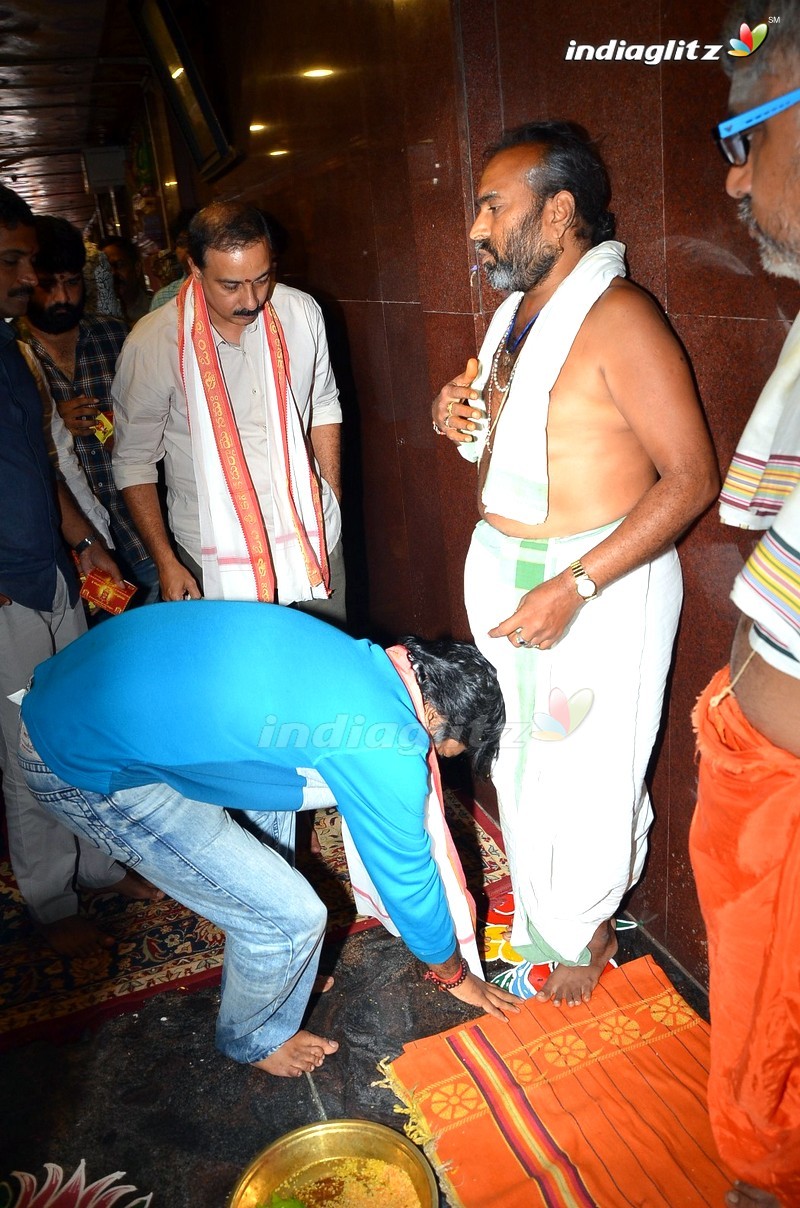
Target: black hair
{"points": [[61, 248], [125, 245], [571, 162], [14, 211], [779, 52], [226, 226], [461, 685]]}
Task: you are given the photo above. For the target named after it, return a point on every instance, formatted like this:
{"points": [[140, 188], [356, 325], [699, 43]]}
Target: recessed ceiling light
{"points": [[276, 153], [177, 72], [318, 73]]}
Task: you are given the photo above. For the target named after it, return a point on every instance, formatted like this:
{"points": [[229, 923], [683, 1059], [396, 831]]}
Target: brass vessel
{"points": [[328, 1140]]}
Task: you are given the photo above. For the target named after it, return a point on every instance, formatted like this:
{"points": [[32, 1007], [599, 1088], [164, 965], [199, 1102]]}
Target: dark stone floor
{"points": [[149, 1095]]}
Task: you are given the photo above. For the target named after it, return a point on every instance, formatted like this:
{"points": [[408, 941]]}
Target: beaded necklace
{"points": [[508, 354]]}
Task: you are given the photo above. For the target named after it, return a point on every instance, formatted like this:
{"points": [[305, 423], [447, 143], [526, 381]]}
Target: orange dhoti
{"points": [[745, 850]]}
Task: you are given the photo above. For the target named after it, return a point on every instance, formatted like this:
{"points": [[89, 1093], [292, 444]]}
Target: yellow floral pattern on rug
{"points": [[620, 1030], [454, 1101], [670, 1010], [567, 1050]]}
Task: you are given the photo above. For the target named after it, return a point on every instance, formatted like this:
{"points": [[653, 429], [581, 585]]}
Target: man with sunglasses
{"points": [[230, 384], [745, 839]]}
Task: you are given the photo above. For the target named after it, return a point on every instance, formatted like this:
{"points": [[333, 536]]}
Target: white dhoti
{"points": [[581, 721]]}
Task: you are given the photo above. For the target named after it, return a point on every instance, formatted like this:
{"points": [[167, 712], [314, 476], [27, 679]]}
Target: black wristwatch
{"points": [[82, 545]]}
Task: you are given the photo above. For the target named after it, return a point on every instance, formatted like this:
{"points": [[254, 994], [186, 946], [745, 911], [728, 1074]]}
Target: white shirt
{"points": [[150, 417]]}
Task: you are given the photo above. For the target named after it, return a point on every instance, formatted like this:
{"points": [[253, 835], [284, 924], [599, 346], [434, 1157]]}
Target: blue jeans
{"points": [[200, 855]]}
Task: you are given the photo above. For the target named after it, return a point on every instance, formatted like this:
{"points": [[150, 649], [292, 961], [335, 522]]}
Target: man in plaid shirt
{"points": [[78, 355]]}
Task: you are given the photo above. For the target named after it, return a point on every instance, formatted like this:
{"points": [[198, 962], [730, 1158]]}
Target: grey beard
{"points": [[777, 256], [507, 275]]}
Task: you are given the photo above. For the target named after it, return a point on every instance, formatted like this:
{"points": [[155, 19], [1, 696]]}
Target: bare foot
{"points": [[574, 983], [298, 1055], [307, 842], [322, 984], [744, 1195], [134, 886], [314, 845], [75, 936]]}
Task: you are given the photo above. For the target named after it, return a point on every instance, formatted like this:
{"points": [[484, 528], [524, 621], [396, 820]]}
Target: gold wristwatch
{"points": [[585, 587]]}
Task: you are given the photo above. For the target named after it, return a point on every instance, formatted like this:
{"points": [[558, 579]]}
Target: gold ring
{"points": [[450, 407]]}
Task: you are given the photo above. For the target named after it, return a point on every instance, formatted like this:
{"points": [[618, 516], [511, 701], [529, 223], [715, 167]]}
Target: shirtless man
{"points": [[593, 457], [745, 837]]}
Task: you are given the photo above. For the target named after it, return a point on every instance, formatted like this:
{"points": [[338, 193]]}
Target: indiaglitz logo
{"points": [[564, 717], [748, 41], [619, 49]]}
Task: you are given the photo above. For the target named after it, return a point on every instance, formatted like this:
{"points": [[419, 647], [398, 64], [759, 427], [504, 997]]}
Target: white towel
{"points": [[517, 481]]}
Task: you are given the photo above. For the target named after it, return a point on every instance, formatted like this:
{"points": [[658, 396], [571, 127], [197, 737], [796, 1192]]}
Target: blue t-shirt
{"points": [[224, 702]]}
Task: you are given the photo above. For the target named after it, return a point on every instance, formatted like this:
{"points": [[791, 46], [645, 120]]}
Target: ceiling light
{"points": [[275, 153], [255, 127], [170, 184], [318, 73], [177, 72]]}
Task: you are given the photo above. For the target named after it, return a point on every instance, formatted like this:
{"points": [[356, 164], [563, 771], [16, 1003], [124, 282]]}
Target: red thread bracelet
{"points": [[442, 983]]}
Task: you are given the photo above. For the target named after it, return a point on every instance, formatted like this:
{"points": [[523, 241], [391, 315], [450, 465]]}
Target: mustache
{"points": [[251, 314], [483, 245], [745, 208]]}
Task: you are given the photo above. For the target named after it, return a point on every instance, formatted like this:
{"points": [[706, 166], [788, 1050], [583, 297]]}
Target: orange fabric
{"points": [[603, 1104], [745, 849]]}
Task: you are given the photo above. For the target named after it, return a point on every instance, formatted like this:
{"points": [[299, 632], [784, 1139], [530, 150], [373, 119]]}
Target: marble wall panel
{"points": [[417, 457], [388, 560], [430, 80]]}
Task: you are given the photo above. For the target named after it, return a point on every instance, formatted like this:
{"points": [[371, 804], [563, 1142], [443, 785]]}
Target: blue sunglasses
{"points": [[731, 138]]}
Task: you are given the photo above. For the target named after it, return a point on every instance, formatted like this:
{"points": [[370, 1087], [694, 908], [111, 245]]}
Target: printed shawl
{"points": [[241, 561], [459, 899]]}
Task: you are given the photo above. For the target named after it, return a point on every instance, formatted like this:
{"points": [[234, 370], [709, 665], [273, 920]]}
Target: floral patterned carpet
{"points": [[163, 945]]}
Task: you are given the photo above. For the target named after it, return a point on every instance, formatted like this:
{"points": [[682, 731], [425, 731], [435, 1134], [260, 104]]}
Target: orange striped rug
{"points": [[597, 1106]]}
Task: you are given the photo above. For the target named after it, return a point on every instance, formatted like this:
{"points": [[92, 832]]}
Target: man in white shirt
{"points": [[231, 385]]}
